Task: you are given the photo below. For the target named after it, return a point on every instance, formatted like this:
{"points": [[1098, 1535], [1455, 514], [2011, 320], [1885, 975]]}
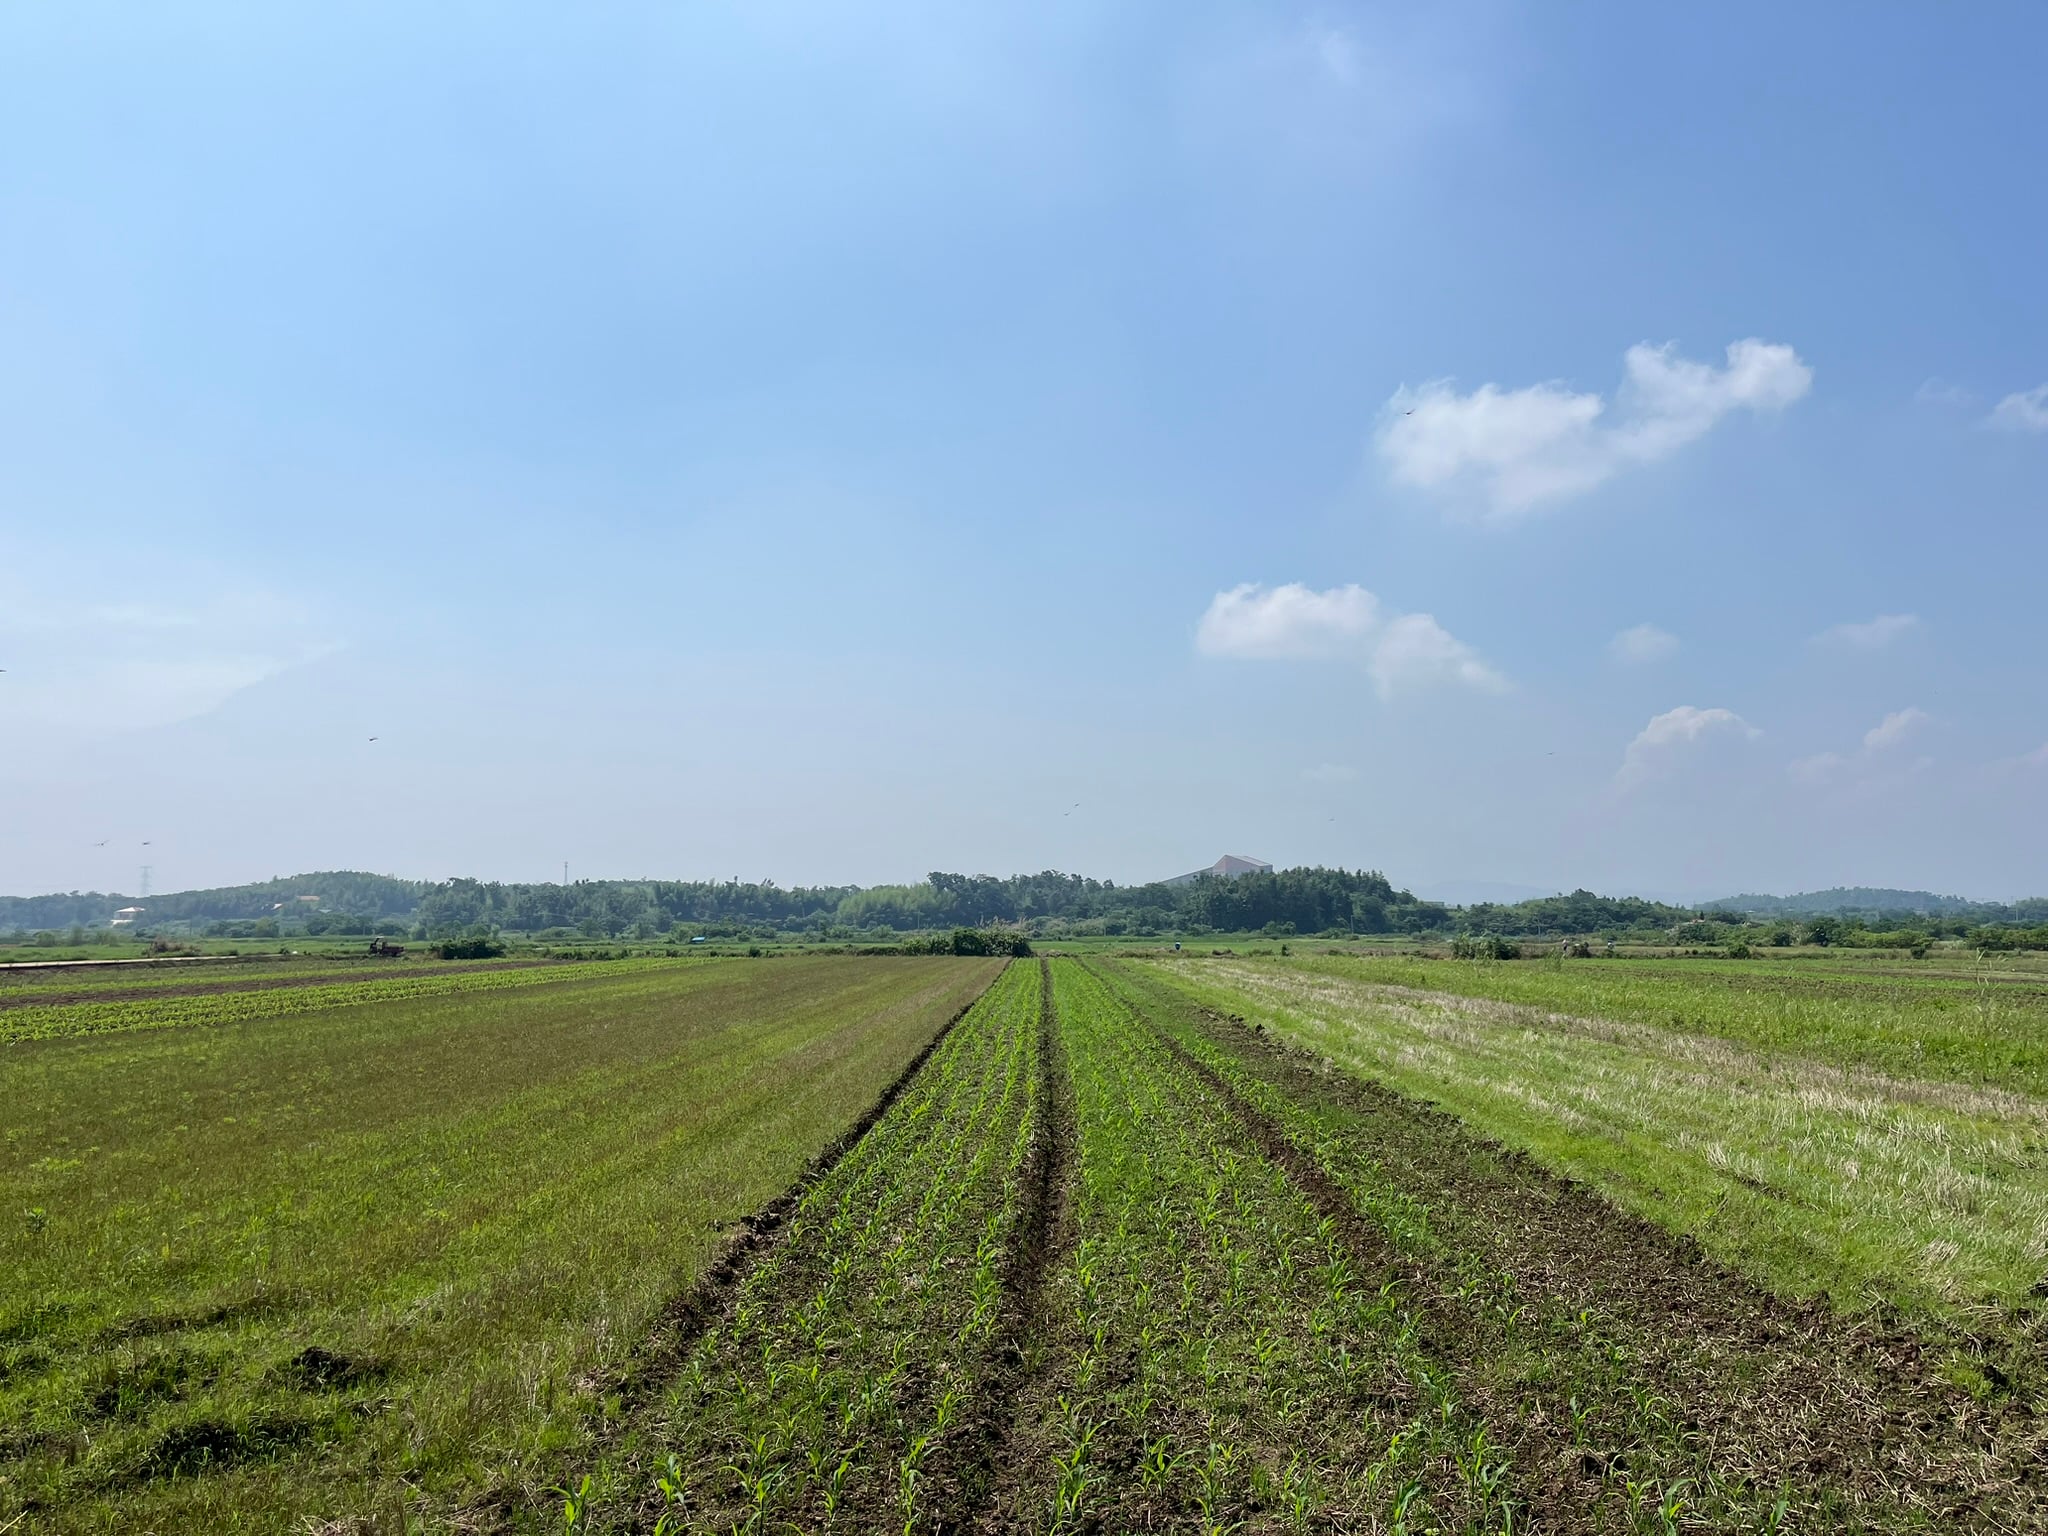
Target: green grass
{"points": [[1850, 1138], [1963, 1021], [367, 1260]]}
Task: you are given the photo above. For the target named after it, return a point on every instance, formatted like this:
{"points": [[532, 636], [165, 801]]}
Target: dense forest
{"points": [[1293, 901]]}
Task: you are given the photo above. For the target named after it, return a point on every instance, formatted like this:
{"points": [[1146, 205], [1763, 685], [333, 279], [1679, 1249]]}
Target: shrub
{"points": [[476, 947], [1484, 946]]}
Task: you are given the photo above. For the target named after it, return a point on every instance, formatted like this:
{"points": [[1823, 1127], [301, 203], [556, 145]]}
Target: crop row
{"points": [[1221, 1355], [846, 1384], [52, 1021]]}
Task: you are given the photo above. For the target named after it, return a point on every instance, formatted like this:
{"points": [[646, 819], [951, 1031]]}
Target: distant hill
{"points": [[1883, 901]]}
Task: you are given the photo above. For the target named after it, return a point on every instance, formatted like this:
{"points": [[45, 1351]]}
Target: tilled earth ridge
{"points": [[1852, 1418]]}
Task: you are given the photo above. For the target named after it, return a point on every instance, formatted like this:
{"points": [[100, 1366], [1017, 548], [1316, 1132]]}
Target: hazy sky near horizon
{"points": [[1550, 445]]}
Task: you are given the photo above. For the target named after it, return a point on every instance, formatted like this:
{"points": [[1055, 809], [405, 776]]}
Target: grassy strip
{"points": [[285, 1274], [56, 1021], [1988, 1029], [843, 1386], [1928, 1196]]}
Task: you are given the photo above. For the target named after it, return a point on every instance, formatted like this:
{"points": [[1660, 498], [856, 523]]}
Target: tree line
{"points": [[1313, 900]]}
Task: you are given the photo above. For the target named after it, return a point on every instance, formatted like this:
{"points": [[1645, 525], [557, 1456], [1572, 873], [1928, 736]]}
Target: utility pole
{"points": [[565, 871]]}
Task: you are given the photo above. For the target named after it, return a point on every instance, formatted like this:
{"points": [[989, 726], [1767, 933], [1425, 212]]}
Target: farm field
{"points": [[1095, 1244], [1144, 1268], [371, 1259]]}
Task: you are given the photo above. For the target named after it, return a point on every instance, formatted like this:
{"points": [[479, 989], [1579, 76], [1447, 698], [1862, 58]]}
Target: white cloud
{"points": [[1415, 651], [1642, 645], [2025, 412], [1893, 729], [1294, 622], [1662, 742], [1513, 450], [1287, 623], [2038, 758], [1330, 773], [1874, 635]]}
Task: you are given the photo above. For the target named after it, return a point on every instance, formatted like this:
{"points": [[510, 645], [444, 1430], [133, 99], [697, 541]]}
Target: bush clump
{"points": [[969, 941], [1484, 946], [477, 948]]}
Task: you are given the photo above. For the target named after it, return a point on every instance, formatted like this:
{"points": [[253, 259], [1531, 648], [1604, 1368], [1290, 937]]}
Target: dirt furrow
{"points": [[1044, 1239]]}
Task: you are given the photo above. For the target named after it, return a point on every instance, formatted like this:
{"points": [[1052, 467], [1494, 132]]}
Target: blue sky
{"points": [[833, 443]]}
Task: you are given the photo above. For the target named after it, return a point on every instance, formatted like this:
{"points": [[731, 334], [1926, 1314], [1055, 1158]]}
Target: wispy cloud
{"points": [[1668, 737], [1330, 773], [1642, 645], [1871, 635], [2023, 412], [1893, 729], [1879, 760], [1294, 622], [1510, 451]]}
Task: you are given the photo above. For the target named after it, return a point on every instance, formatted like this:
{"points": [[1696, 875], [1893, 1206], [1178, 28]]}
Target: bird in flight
{"points": [[101, 843], [1071, 809], [373, 738]]}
